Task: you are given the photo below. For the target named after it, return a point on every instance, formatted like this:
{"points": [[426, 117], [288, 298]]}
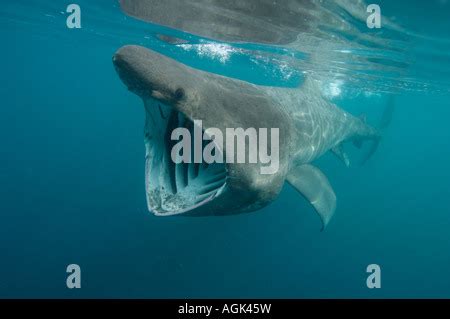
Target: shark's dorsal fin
{"points": [[314, 185], [338, 150]]}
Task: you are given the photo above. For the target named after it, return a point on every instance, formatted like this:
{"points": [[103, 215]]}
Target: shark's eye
{"points": [[179, 94]]}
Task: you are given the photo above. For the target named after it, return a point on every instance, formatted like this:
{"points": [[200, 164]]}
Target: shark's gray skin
{"points": [[175, 95]]}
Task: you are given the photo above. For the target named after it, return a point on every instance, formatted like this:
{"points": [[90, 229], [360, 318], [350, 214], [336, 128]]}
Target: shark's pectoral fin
{"points": [[338, 150], [314, 185]]}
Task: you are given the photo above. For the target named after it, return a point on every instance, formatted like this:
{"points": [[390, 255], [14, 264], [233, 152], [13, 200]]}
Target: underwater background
{"points": [[72, 174]]}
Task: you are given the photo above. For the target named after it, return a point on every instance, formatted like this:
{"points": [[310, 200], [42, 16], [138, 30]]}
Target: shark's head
{"points": [[177, 96]]}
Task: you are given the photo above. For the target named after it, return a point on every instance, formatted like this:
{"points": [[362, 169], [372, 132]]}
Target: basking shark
{"points": [[175, 95]]}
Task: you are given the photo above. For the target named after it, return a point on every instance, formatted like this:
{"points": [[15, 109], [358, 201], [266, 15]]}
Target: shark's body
{"points": [[175, 95]]}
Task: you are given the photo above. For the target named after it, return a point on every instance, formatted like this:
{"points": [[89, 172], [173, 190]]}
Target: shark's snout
{"points": [[127, 67], [149, 74]]}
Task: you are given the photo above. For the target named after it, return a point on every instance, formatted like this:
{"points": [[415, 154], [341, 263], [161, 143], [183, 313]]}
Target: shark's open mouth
{"points": [[176, 188]]}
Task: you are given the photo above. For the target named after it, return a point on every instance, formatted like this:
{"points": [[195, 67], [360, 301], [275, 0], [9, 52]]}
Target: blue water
{"points": [[72, 178]]}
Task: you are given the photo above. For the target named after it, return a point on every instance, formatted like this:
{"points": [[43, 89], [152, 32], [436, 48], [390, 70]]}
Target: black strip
{"points": [[230, 308]]}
